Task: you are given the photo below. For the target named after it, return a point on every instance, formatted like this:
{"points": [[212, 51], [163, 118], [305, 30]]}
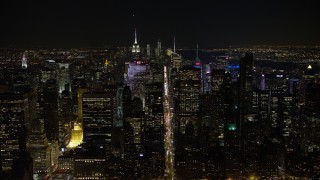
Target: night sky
{"points": [[107, 22]]}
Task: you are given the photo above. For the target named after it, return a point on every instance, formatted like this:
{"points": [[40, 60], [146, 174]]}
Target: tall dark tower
{"points": [[98, 113], [245, 87]]}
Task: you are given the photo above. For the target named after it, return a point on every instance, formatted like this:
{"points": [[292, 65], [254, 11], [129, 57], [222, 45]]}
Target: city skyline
{"points": [[224, 90], [99, 24]]}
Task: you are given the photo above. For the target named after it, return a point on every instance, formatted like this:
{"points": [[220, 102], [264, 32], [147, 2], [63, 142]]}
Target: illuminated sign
{"points": [[233, 67], [197, 64]]}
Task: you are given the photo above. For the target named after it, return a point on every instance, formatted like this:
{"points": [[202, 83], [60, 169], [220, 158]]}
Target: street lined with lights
{"points": [[168, 140]]}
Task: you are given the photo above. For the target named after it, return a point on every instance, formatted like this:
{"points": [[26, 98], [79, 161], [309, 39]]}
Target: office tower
{"points": [[297, 92], [118, 122], [50, 109], [153, 105], [134, 154], [136, 79], [90, 165], [268, 161], [275, 81], [137, 122], [15, 114], [176, 61], [65, 116], [221, 81], [129, 148], [312, 112], [80, 92], [154, 132], [66, 162], [63, 76], [39, 149], [126, 98], [22, 167], [24, 64], [245, 88], [232, 153], [98, 113], [222, 127], [77, 84], [189, 159], [281, 114], [264, 112], [77, 70], [309, 74], [47, 74], [187, 89], [312, 99], [206, 78]]}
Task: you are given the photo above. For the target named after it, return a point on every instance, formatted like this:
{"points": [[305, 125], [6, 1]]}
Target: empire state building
{"points": [[135, 46]]}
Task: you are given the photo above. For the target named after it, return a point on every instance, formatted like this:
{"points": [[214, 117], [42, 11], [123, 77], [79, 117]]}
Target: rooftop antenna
{"points": [[174, 44], [197, 50], [135, 36]]}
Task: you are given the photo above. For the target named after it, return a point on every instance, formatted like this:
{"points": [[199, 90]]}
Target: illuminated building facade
{"points": [[136, 79], [24, 64], [90, 167], [176, 61], [66, 163], [281, 114], [39, 148], [76, 135], [135, 47], [187, 91], [98, 113], [14, 116]]}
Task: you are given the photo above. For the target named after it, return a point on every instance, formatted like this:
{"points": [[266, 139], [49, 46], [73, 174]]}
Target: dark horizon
{"points": [[216, 24]]}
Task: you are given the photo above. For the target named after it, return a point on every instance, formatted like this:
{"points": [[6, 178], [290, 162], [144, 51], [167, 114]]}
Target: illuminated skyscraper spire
{"points": [[24, 64], [135, 36], [197, 63], [135, 47]]}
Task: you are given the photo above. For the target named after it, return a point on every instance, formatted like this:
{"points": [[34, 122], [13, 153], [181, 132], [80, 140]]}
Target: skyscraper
{"points": [[135, 46], [98, 113], [14, 115], [39, 148], [245, 87], [187, 89], [220, 113], [24, 64]]}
